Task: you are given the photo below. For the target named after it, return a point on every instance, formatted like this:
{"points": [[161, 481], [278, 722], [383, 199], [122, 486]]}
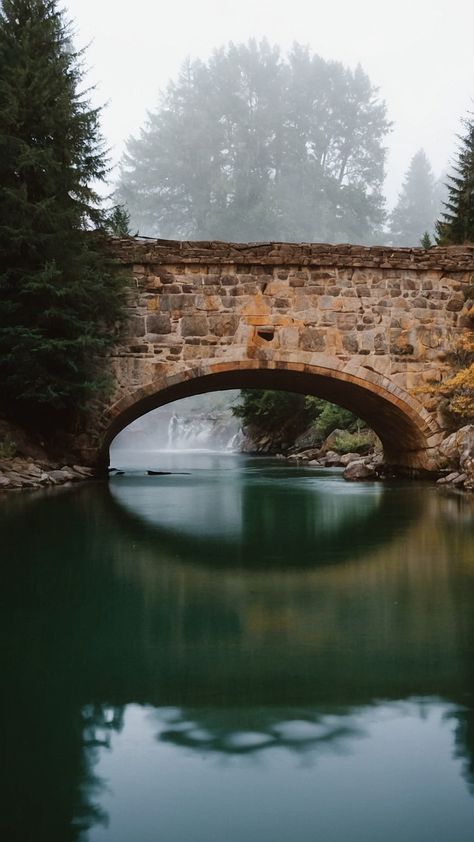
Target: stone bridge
{"points": [[366, 328]]}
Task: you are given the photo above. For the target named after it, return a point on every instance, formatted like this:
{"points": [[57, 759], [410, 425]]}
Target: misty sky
{"points": [[418, 52]]}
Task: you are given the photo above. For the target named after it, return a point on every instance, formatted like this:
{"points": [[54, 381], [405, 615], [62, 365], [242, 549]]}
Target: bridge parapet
{"points": [[144, 250]]}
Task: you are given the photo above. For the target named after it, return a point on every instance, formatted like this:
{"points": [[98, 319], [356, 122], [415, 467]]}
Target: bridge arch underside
{"points": [[407, 431]]}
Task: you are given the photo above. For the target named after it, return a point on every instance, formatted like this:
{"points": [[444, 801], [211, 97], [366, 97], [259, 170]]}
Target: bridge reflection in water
{"points": [[269, 635]]}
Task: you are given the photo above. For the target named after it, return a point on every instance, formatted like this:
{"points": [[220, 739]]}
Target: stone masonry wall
{"points": [[393, 313]]}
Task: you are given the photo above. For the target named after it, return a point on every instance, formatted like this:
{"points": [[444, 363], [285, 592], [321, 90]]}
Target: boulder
{"points": [[448, 448], [330, 440], [83, 471], [359, 471], [33, 470], [298, 457], [331, 459], [347, 458], [60, 476], [458, 450], [70, 473], [459, 445]]}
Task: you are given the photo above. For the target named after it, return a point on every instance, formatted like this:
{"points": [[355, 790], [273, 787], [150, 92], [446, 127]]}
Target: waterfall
{"points": [[201, 432], [203, 422], [235, 443]]}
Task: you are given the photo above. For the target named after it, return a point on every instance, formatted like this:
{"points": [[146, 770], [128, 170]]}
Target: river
{"points": [[239, 651]]}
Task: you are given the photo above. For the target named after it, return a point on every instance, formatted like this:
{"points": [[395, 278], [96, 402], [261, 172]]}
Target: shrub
{"points": [[7, 448], [347, 442]]}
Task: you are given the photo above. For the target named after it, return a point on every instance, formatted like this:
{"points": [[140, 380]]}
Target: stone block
{"points": [[194, 326], [136, 326], [223, 324], [208, 302], [312, 340], [346, 321], [350, 343], [380, 343], [455, 303], [158, 323], [289, 338]]}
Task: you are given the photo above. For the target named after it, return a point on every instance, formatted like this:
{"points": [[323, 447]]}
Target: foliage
{"points": [[8, 448], [458, 390], [266, 409], [254, 145], [457, 222], [118, 222], [346, 442], [328, 417], [415, 213], [60, 295], [269, 411], [425, 241]]}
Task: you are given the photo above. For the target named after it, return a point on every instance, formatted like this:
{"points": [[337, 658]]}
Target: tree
{"points": [[457, 220], [118, 222], [415, 212], [268, 411], [60, 295], [253, 145]]}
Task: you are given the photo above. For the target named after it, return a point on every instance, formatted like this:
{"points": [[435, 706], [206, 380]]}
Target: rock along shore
{"points": [[457, 451], [21, 473]]}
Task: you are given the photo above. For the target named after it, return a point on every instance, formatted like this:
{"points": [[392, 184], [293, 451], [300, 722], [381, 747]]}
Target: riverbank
{"points": [[18, 473], [26, 462], [456, 461]]}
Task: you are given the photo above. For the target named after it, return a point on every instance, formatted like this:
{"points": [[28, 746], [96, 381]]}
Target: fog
{"points": [[419, 55]]}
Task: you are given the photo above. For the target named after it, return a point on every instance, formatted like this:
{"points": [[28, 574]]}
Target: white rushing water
{"points": [[203, 432], [201, 423]]}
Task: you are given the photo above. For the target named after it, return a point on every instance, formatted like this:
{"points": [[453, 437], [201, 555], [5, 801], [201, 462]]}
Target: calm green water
{"points": [[244, 652]]}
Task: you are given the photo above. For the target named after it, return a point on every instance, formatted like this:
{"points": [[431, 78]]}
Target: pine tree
{"points": [[61, 297], [425, 241], [457, 221], [118, 222], [415, 211]]}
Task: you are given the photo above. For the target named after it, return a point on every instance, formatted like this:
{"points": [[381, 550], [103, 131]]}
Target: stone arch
{"points": [[407, 431]]}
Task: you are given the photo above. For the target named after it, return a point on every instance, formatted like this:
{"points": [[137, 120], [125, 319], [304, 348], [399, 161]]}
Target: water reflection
{"points": [[121, 633], [236, 732], [271, 516]]}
